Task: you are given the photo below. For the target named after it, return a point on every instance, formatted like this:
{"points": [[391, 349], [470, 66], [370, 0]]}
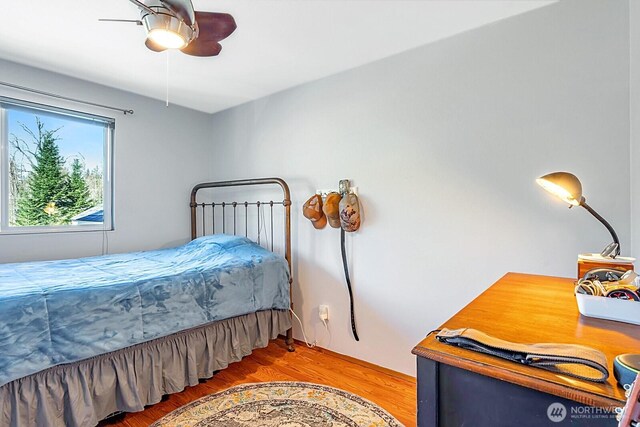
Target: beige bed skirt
{"points": [[84, 392]]}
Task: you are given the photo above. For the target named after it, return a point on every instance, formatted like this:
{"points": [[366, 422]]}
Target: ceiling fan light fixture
{"points": [[174, 24], [167, 30], [167, 38]]}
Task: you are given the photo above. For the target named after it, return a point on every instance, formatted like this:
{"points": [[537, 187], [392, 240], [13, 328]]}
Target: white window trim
{"points": [[107, 175]]}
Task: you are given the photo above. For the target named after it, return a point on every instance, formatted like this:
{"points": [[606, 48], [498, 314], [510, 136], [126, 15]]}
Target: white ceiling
{"points": [[278, 43]]}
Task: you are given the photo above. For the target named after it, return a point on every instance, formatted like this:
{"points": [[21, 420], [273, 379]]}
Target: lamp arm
{"points": [[584, 204]]}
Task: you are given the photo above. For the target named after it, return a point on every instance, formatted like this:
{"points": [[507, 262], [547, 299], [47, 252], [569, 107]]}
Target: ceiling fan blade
{"points": [[154, 46], [201, 47], [137, 22], [182, 8], [215, 26]]}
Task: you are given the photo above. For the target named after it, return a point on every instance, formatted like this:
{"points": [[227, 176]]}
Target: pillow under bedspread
{"points": [[57, 312]]}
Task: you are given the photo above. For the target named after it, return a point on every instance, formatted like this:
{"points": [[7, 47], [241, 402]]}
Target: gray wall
{"points": [[634, 114], [159, 156], [444, 143]]}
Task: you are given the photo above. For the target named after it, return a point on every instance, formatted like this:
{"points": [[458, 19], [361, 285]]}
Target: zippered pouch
{"points": [[568, 359]]}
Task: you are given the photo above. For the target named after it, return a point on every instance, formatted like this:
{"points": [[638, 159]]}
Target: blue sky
{"points": [[76, 139]]}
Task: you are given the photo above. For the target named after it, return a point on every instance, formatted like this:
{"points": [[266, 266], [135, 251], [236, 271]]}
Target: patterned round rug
{"points": [[280, 404]]}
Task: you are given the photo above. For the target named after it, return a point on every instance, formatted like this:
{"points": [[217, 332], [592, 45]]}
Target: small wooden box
{"points": [[584, 266]]}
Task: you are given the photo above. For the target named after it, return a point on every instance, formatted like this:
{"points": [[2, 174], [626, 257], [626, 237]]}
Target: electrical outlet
{"points": [[323, 312]]}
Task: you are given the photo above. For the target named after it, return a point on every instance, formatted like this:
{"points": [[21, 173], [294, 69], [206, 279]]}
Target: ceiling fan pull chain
{"points": [[167, 80]]}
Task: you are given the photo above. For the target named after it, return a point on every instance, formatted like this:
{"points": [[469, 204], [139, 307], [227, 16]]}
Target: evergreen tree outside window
{"points": [[55, 169]]}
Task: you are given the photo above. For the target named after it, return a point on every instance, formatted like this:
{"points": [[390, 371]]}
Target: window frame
{"points": [[107, 174]]}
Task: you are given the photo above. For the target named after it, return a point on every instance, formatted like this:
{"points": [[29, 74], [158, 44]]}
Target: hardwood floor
{"points": [[393, 391]]}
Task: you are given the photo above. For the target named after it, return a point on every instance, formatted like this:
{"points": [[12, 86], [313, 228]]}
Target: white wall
{"points": [[444, 143], [159, 156]]}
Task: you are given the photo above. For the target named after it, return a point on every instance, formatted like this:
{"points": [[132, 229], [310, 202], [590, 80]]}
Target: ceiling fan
{"points": [[174, 24]]}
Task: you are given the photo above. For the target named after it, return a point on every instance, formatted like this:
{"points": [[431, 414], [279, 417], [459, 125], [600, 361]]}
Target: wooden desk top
{"points": [[535, 309]]}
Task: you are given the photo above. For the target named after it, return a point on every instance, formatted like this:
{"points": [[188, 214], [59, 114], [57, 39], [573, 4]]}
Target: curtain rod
{"points": [[53, 95]]}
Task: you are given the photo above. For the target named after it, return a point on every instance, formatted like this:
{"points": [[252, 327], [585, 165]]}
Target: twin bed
{"points": [[82, 339]]}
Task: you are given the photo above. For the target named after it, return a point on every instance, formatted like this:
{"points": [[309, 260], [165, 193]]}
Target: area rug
{"points": [[280, 404]]}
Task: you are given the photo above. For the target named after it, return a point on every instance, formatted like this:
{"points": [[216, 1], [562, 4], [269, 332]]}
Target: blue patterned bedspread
{"points": [[58, 312]]}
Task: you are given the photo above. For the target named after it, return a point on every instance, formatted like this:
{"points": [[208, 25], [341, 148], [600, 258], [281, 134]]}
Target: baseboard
{"points": [[360, 362]]}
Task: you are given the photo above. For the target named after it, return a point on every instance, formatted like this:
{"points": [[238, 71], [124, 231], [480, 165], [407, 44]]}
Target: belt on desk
{"points": [[568, 359]]}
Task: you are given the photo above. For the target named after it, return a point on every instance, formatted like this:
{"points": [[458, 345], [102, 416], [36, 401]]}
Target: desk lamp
{"points": [[567, 187]]}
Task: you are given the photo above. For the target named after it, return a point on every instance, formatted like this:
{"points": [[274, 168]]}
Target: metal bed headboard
{"points": [[234, 205]]}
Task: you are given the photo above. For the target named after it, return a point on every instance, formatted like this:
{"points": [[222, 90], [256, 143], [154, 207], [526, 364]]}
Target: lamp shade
{"points": [[564, 185]]}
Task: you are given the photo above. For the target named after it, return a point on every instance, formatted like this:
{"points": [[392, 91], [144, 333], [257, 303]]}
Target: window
{"points": [[55, 169]]}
